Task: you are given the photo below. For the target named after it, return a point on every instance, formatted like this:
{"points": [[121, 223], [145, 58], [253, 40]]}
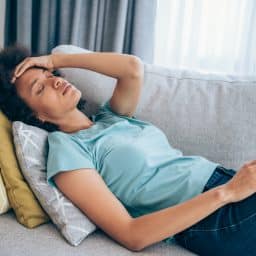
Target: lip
{"points": [[66, 88]]}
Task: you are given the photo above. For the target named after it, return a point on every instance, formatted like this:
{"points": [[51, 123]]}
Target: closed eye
{"points": [[41, 88]]}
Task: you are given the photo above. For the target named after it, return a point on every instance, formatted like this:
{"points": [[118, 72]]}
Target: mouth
{"points": [[66, 89]]}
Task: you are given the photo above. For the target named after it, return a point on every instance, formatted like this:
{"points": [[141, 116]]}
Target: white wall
{"points": [[2, 19]]}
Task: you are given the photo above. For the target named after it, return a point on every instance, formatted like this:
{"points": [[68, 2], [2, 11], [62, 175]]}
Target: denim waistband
{"points": [[219, 176]]}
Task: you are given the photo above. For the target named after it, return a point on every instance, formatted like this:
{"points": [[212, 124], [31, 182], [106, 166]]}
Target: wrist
{"points": [[224, 194], [54, 57]]}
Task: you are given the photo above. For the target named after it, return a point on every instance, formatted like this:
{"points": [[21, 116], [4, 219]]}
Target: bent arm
{"points": [[116, 65], [127, 69]]}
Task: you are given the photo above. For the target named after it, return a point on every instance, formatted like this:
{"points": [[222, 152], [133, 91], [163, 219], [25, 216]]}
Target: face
{"points": [[50, 97]]}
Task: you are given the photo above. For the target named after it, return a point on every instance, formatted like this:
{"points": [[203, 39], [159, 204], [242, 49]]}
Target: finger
{"points": [[16, 72], [22, 69], [19, 66]]}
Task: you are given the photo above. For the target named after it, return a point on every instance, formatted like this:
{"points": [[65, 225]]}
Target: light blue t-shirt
{"points": [[135, 160]]}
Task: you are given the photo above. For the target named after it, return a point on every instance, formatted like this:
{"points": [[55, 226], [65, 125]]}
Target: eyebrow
{"points": [[35, 80]]}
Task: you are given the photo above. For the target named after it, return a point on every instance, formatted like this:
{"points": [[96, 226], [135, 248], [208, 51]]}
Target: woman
{"points": [[121, 171]]}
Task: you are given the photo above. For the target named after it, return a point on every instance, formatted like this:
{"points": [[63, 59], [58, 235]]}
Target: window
{"points": [[209, 35]]}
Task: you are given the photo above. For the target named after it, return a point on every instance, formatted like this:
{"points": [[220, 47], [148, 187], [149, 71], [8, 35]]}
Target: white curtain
{"points": [[2, 22], [209, 35]]}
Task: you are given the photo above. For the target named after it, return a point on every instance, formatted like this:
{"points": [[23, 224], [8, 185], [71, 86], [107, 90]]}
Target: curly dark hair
{"points": [[11, 103]]}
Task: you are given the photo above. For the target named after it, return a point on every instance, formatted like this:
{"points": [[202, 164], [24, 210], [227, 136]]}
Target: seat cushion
{"points": [[45, 240]]}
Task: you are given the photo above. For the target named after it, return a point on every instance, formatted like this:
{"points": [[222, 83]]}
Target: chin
{"points": [[79, 97]]}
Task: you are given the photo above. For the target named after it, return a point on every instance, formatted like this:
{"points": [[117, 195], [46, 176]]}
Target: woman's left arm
{"points": [[127, 69]]}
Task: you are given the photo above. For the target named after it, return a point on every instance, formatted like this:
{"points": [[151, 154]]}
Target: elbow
{"points": [[136, 67], [135, 243], [135, 247], [135, 250]]}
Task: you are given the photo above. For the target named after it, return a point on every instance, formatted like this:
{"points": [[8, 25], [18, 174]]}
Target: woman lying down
{"points": [[144, 191]]}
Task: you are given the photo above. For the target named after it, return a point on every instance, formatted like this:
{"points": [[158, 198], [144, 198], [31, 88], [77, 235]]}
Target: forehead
{"points": [[30, 74], [22, 83]]}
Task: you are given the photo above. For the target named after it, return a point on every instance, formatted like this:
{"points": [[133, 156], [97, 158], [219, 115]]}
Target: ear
{"points": [[41, 120], [39, 117]]}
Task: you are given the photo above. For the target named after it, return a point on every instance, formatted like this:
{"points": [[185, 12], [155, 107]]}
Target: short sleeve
{"points": [[65, 154], [106, 108]]}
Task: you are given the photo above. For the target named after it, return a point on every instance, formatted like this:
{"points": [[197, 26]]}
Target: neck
{"points": [[74, 121]]}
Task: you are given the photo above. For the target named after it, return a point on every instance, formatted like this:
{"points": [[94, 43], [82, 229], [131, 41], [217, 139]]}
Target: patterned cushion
{"points": [[31, 149], [27, 209], [4, 202]]}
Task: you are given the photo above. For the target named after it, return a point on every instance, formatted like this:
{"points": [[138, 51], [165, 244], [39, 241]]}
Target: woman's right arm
{"points": [[86, 189]]}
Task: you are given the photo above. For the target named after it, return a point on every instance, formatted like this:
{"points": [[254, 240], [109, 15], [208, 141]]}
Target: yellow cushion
{"points": [[4, 202], [27, 209]]}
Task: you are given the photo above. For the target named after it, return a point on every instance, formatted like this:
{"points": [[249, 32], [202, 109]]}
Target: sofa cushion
{"points": [[27, 209], [31, 149], [207, 114], [45, 241], [212, 115], [4, 202]]}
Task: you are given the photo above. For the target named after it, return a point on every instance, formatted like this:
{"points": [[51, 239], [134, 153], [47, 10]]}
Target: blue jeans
{"points": [[230, 230]]}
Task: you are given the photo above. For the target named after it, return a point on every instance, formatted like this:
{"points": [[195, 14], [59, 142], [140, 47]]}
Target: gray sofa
{"points": [[207, 114]]}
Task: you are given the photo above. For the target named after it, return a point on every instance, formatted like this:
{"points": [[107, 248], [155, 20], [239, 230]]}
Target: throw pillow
{"points": [[27, 209], [4, 202], [31, 149]]}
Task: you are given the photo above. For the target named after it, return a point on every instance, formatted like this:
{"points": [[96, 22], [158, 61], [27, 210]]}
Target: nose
{"points": [[57, 83]]}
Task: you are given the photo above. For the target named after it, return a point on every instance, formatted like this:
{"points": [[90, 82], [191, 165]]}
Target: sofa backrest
{"points": [[207, 114]]}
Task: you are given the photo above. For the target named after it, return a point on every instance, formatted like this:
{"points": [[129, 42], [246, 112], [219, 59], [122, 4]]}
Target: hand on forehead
{"points": [[29, 74]]}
